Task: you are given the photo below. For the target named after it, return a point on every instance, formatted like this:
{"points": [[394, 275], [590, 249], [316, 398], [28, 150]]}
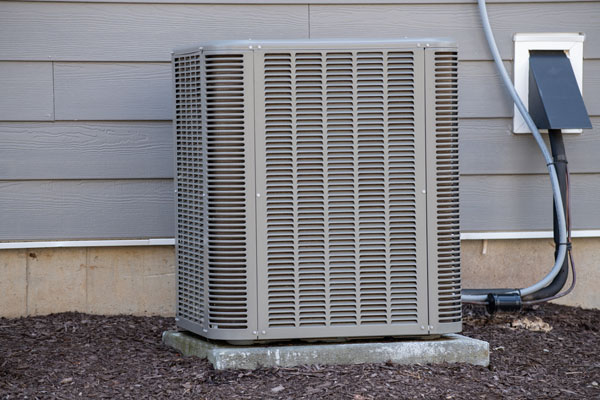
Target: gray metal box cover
{"points": [[317, 189]]}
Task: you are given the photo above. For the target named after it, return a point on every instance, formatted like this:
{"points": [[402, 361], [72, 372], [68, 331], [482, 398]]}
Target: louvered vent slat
{"points": [[191, 210], [341, 191], [447, 173]]}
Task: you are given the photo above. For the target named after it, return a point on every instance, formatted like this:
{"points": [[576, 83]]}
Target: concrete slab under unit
{"points": [[448, 348]]}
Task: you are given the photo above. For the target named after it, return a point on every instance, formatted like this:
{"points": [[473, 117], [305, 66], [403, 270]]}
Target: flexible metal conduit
{"points": [[560, 214]]}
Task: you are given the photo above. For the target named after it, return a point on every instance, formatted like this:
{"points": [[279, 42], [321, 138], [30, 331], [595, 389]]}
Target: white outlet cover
{"points": [[571, 43]]}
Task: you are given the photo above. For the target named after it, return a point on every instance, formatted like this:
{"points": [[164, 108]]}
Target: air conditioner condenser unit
{"points": [[317, 189]]}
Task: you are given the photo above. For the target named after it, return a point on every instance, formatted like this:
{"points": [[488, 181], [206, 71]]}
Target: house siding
{"points": [[85, 106]]}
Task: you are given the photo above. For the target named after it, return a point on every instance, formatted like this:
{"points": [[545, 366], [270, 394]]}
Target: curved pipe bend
{"points": [[560, 214]]}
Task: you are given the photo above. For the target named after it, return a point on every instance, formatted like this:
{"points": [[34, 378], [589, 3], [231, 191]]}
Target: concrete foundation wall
{"points": [[141, 280], [520, 263], [97, 280]]}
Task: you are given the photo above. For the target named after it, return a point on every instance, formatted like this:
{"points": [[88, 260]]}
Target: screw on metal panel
{"points": [[254, 332], [257, 194], [263, 332], [204, 330], [422, 327], [430, 327], [427, 45], [259, 46], [423, 191]]}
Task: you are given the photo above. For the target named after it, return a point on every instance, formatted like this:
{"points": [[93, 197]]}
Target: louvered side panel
{"points": [[281, 236], [341, 188], [404, 176], [370, 189], [310, 193], [340, 182], [443, 104], [190, 188], [228, 231]]}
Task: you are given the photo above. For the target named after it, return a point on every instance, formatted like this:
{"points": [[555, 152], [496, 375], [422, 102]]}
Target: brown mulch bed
{"points": [[87, 356]]}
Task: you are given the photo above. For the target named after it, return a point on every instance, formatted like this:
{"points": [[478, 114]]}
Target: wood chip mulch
{"points": [[550, 352]]}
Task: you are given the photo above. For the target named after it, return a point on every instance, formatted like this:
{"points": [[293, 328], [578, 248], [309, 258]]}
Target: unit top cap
{"points": [[320, 44]]}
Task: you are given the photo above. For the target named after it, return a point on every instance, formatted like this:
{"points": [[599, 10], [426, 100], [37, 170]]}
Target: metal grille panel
{"points": [[317, 189], [447, 181], [340, 186], [191, 210]]}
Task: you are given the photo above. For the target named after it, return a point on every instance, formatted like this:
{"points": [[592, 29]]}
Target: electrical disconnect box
{"points": [[569, 43]]}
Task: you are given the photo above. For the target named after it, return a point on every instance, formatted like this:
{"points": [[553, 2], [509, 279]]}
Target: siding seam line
{"points": [[308, 9], [26, 255], [53, 95], [87, 265]]}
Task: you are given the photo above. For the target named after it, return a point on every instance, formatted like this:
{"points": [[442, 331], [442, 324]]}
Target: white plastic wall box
{"points": [[571, 43], [317, 189]]}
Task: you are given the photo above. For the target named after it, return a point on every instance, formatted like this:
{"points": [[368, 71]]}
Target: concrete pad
{"points": [[13, 283], [448, 348]]}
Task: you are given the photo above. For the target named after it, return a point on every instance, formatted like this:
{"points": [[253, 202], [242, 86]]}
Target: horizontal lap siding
{"points": [[86, 106], [86, 150], [107, 91], [25, 90], [92, 171], [135, 32], [460, 22], [482, 94], [524, 202], [487, 146], [103, 209], [290, 2], [121, 91]]}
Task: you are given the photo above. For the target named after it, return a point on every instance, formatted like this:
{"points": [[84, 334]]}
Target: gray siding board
{"points": [[86, 209], [26, 91], [86, 150], [142, 91], [591, 85], [487, 146], [135, 32], [482, 95], [113, 91], [524, 202], [459, 21], [310, 1], [129, 150], [480, 91]]}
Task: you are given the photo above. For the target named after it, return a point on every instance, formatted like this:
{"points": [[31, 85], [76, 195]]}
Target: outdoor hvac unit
{"points": [[317, 189]]}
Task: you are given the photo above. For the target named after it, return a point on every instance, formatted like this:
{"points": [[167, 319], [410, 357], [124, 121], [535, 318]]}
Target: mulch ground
{"points": [[75, 355]]}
